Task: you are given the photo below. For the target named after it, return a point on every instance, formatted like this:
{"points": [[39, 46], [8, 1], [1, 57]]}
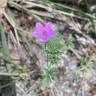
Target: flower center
{"points": [[44, 33]]}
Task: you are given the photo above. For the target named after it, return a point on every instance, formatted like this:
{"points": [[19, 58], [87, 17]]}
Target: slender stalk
{"points": [[46, 53]]}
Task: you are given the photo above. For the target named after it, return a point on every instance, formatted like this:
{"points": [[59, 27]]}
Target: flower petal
{"points": [[48, 28], [52, 33], [39, 26], [44, 33], [37, 34], [45, 39]]}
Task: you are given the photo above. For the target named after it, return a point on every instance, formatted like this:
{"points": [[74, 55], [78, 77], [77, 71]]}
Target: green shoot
{"points": [[86, 66], [69, 43]]}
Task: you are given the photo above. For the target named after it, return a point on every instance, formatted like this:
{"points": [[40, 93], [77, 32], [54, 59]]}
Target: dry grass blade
{"points": [[58, 15], [13, 24], [8, 74], [26, 11], [3, 4]]}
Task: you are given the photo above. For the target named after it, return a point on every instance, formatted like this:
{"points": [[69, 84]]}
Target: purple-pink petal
{"points": [[39, 26], [51, 33], [49, 26], [49, 29], [45, 39], [44, 33], [37, 34]]}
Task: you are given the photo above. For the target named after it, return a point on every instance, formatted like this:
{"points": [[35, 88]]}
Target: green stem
{"points": [[46, 52]]}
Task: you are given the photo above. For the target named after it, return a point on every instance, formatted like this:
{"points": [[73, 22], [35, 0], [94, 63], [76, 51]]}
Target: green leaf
{"points": [[86, 66], [46, 81], [54, 43], [6, 53], [69, 43]]}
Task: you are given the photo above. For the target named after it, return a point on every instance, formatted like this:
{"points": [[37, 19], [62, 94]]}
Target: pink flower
{"points": [[44, 32]]}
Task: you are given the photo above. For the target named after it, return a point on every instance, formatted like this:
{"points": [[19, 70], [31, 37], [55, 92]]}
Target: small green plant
{"points": [[51, 40], [85, 67], [52, 50], [48, 73], [68, 43]]}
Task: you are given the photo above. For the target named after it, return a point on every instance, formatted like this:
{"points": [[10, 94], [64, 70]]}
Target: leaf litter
{"points": [[76, 75]]}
